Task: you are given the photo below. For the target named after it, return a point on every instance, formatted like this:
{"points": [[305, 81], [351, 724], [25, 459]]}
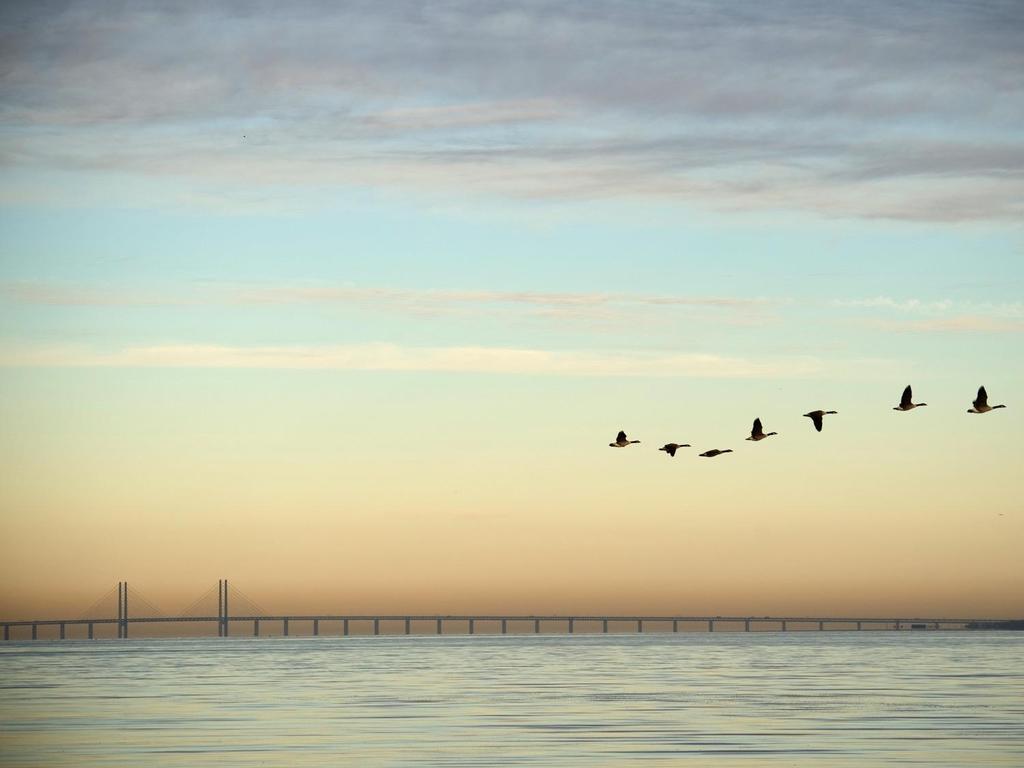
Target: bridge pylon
{"points": [[122, 609], [222, 608]]}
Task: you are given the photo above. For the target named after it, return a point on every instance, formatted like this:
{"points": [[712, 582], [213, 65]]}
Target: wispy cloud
{"points": [[957, 324], [471, 115], [390, 357], [900, 305], [887, 312], [1007, 310], [66, 294], [564, 305], [426, 299], [867, 109], [911, 315]]}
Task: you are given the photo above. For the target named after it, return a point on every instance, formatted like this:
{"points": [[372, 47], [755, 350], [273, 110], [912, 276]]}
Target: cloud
{"points": [[867, 109], [979, 310], [454, 116], [937, 316], [390, 357], [957, 324], [421, 302], [423, 299], [901, 305], [940, 314], [58, 294]]}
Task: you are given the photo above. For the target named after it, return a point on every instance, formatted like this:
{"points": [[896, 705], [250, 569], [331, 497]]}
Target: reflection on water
{"points": [[804, 699]]}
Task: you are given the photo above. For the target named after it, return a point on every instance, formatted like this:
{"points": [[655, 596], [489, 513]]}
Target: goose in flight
{"points": [[621, 441], [981, 403], [757, 433], [906, 403], [670, 448], [816, 417], [715, 452]]}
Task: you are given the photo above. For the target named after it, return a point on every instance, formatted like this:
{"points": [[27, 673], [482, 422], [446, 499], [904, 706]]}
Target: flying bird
{"points": [[816, 417], [756, 433], [981, 403], [715, 452], [621, 441], [670, 448], [905, 401]]}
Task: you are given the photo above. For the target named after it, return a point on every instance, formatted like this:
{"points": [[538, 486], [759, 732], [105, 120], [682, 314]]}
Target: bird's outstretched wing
{"points": [[757, 430], [816, 418], [670, 449], [907, 397], [982, 400], [621, 437]]}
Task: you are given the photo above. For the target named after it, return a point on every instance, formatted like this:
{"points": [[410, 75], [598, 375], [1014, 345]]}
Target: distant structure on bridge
{"points": [[254, 617]]}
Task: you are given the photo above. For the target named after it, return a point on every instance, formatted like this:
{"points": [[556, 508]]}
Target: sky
{"points": [[345, 301]]}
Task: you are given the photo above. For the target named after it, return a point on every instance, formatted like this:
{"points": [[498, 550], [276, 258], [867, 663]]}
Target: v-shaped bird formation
{"points": [[817, 417]]}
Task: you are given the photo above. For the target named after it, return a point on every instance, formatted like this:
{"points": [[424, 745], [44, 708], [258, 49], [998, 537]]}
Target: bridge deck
{"points": [[508, 618]]}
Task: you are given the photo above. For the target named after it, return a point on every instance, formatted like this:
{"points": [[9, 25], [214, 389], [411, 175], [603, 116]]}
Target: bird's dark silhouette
{"points": [[981, 403], [670, 448], [621, 441], [817, 416], [906, 402], [757, 433]]}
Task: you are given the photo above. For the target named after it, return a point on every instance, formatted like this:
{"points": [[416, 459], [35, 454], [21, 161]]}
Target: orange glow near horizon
{"points": [[543, 519]]}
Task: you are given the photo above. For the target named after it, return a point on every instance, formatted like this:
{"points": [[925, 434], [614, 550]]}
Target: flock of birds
{"points": [[757, 432]]}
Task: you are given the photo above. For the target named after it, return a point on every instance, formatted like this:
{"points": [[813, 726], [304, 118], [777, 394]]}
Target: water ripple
{"points": [[793, 699]]}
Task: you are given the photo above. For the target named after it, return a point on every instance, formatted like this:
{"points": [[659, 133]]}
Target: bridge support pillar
{"points": [[316, 627], [7, 631], [675, 625], [746, 625], [344, 627], [571, 628], [504, 626], [639, 625], [255, 627], [711, 625], [536, 626], [897, 624], [62, 630], [858, 626], [471, 628], [408, 626], [440, 631], [221, 598], [376, 626], [604, 626], [783, 625], [34, 631], [821, 626], [90, 631], [122, 609], [285, 626]]}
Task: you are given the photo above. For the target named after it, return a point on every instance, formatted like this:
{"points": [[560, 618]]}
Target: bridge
{"points": [[253, 618]]}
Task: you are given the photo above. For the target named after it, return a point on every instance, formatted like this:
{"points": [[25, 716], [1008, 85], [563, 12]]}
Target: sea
{"points": [[691, 699]]}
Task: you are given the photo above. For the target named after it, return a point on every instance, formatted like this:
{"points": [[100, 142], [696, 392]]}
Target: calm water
{"points": [[794, 699]]}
